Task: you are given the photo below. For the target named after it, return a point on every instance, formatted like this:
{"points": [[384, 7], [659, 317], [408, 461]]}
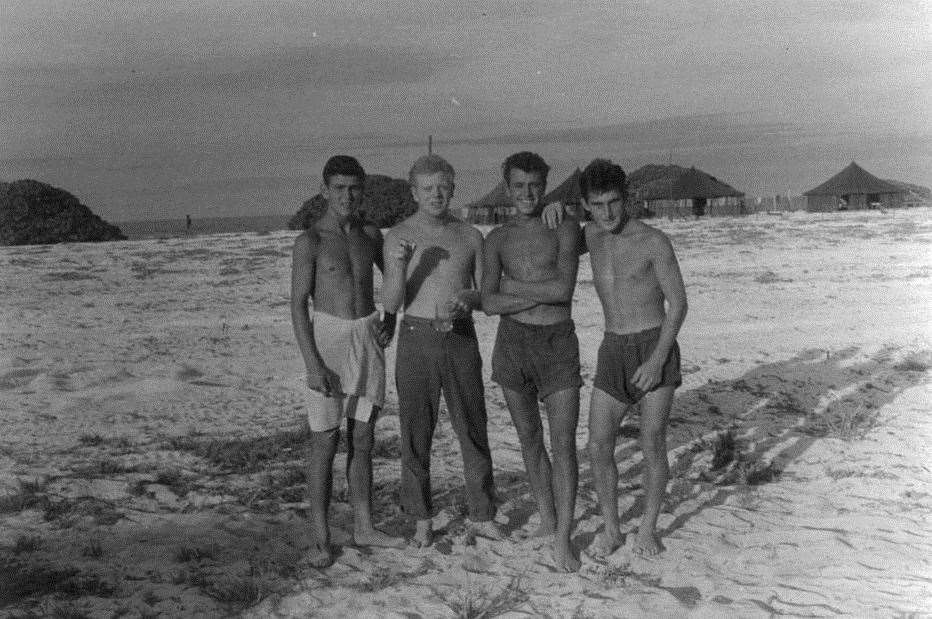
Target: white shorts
{"points": [[325, 413], [348, 347]]}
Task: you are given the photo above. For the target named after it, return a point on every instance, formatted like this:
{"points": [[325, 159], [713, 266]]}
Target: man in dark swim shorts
{"points": [[621, 355], [528, 279], [636, 274]]}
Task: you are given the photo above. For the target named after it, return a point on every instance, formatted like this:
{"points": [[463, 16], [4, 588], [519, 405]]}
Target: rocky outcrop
{"points": [[33, 213], [387, 200]]}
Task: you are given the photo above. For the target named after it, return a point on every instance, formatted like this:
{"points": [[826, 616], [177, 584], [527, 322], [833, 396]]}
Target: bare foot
{"points": [[564, 556], [646, 545], [423, 533], [606, 543], [488, 529], [320, 555], [540, 532], [374, 537]]}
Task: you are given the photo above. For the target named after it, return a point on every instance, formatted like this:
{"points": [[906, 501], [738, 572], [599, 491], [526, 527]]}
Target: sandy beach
{"points": [[154, 435]]}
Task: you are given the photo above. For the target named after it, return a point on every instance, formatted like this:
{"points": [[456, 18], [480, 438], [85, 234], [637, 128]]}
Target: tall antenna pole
{"points": [[430, 145]]}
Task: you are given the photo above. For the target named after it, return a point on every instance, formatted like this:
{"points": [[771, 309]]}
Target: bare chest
{"points": [[526, 254], [441, 256], [340, 256], [621, 262]]}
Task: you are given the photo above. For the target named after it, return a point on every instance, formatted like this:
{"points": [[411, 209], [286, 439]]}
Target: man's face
{"points": [[526, 190], [343, 194], [608, 209], [433, 192]]}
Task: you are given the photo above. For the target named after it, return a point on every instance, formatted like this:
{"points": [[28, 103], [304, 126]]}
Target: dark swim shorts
{"points": [[536, 359], [619, 357]]}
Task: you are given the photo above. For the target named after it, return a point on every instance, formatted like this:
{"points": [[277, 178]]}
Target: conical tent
{"points": [[498, 197], [675, 183], [566, 192], [492, 208], [681, 192], [853, 180]]}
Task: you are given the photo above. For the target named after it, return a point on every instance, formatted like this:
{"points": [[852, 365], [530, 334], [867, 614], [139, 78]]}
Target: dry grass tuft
{"points": [[21, 580], [186, 554], [27, 543], [724, 450], [28, 496], [480, 603], [245, 455], [846, 420]]}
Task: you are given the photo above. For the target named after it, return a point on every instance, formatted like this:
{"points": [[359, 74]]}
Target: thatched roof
{"points": [[566, 192], [498, 197], [853, 180], [671, 182]]}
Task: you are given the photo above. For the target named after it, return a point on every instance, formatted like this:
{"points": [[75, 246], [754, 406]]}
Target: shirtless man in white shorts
{"points": [[342, 346]]}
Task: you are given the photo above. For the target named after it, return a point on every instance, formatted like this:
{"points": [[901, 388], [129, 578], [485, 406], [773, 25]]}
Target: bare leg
{"points": [[526, 417], [320, 486], [423, 533], [605, 415], [655, 410], [563, 413], [360, 439]]}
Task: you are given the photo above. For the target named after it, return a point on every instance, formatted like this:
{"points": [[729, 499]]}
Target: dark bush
{"points": [[36, 213], [387, 200]]}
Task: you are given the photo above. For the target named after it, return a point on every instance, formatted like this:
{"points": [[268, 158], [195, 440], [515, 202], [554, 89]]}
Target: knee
{"points": [[563, 447], [654, 441], [363, 438], [601, 449], [325, 438], [531, 435]]}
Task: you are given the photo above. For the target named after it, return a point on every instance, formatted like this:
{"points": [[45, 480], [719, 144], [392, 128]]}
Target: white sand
{"points": [[798, 324]]}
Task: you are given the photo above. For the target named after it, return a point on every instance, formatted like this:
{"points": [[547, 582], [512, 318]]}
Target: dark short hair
{"points": [[603, 175], [343, 165], [526, 162], [430, 164]]}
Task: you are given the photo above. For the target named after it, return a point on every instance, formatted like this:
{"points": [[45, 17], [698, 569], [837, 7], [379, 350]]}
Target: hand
{"points": [[385, 331], [403, 251], [648, 375], [552, 215], [461, 303], [324, 381]]}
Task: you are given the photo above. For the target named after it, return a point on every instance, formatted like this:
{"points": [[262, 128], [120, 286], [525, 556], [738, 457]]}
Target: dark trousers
{"points": [[426, 362]]}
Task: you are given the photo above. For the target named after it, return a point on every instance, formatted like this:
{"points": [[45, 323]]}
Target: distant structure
{"points": [[915, 195], [187, 222], [32, 213], [493, 208], [673, 191], [854, 188], [568, 194]]}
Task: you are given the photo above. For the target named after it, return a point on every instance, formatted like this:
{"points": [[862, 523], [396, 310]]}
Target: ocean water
{"points": [[170, 228]]}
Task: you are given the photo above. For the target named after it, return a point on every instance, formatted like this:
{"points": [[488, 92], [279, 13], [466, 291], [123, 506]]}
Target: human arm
{"points": [[465, 300], [558, 289], [303, 270], [667, 270], [493, 300], [386, 328], [552, 215], [397, 253]]}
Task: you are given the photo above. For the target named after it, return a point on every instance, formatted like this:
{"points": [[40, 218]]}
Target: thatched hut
{"points": [[493, 208], [854, 188], [568, 194], [673, 191]]}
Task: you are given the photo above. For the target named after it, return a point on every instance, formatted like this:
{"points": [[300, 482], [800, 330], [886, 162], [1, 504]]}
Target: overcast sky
{"points": [[123, 99]]}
